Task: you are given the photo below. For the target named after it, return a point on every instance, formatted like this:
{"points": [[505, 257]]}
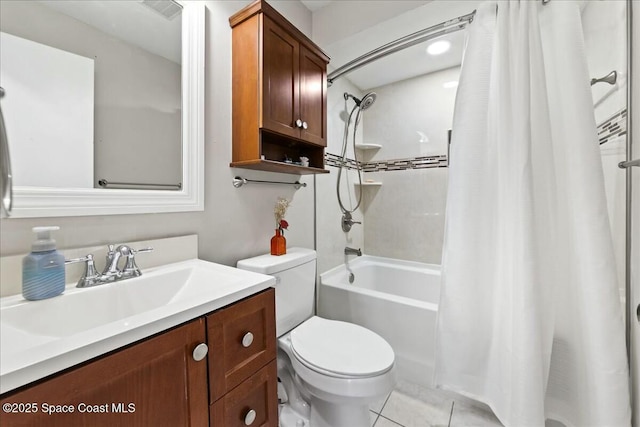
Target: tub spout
{"points": [[352, 251]]}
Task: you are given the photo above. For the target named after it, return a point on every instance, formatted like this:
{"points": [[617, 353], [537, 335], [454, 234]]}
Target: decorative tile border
{"points": [[614, 127], [390, 165], [336, 161], [405, 164]]}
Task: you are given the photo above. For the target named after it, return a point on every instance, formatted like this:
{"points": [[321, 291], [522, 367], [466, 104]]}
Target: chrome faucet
{"points": [[352, 251], [111, 272]]}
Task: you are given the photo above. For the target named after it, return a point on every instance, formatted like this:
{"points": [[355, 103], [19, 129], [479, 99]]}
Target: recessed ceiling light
{"points": [[436, 48], [449, 85]]}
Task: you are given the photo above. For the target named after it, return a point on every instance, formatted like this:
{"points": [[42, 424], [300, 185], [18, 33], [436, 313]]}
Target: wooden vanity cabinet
{"points": [[242, 363], [279, 93], [257, 394], [156, 382], [159, 382]]}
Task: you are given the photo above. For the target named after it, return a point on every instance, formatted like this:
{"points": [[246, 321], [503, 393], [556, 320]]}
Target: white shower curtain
{"points": [[530, 320]]}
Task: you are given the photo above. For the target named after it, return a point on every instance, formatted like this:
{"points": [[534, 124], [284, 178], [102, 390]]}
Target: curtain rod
{"points": [[420, 36], [432, 32]]}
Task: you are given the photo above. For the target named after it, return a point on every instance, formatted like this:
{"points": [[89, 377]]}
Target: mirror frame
{"points": [[33, 202]]}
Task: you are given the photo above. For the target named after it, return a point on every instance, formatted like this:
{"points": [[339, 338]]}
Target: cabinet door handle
{"points": [[200, 352], [247, 339], [299, 123], [250, 417], [304, 125]]}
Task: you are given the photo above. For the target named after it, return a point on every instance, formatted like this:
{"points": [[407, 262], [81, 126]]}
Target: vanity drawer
{"points": [[242, 339], [254, 402]]}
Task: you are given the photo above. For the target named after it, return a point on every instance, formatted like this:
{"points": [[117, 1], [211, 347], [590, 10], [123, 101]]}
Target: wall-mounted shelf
{"points": [[370, 184], [273, 166], [368, 146]]}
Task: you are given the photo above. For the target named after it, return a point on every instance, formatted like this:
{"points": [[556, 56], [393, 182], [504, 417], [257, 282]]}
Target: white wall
{"points": [[236, 223]]}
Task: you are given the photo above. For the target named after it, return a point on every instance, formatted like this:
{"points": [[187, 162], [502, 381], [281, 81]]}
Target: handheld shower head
{"points": [[363, 103]]}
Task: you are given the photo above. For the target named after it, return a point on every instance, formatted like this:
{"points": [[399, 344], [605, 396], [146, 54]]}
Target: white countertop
{"points": [[39, 338]]}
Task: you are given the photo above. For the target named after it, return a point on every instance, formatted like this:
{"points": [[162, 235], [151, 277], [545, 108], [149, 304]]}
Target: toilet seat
{"points": [[340, 349]]}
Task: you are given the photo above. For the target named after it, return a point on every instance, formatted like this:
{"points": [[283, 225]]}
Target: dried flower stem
{"points": [[281, 209]]}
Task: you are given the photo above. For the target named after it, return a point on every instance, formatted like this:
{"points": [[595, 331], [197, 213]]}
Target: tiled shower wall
{"points": [[404, 217], [411, 119]]}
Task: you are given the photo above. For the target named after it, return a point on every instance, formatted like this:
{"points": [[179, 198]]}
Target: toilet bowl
{"points": [[330, 371], [341, 368]]}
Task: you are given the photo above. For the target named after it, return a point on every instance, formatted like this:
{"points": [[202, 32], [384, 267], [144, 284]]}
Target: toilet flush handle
{"points": [[247, 340]]}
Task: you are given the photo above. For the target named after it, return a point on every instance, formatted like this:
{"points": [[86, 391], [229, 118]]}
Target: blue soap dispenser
{"points": [[43, 269]]}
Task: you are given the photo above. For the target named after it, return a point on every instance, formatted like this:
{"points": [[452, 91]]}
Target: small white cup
{"points": [[304, 161]]}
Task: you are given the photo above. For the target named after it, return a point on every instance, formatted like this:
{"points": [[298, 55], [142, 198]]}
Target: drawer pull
{"points": [[200, 352], [305, 126], [298, 123], [250, 417], [247, 339]]}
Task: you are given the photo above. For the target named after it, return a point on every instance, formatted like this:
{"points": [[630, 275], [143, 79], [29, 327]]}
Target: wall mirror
{"points": [[104, 106]]}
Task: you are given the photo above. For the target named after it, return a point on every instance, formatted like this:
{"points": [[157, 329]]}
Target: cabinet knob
{"points": [[304, 125], [299, 123], [200, 352], [247, 339], [250, 417]]}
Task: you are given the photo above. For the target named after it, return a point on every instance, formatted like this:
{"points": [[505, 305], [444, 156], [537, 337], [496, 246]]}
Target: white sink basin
{"points": [[38, 338]]}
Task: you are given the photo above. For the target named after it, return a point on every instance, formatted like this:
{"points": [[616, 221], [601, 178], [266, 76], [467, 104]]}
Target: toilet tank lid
{"points": [[269, 264]]}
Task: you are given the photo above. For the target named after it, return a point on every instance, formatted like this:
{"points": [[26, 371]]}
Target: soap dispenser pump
{"points": [[43, 274]]}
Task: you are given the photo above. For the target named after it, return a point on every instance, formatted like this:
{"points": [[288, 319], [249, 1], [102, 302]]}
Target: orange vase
{"points": [[278, 244]]}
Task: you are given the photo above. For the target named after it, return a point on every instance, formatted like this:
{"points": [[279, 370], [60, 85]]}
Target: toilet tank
{"points": [[295, 274]]}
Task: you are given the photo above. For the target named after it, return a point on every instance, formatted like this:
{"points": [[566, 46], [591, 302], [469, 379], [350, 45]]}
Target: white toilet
{"points": [[329, 371]]}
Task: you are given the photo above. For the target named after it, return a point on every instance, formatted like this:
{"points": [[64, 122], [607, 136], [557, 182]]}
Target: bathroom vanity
{"points": [[213, 365]]}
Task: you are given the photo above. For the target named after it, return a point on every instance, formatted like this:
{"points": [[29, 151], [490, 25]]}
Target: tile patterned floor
{"points": [[413, 406]]}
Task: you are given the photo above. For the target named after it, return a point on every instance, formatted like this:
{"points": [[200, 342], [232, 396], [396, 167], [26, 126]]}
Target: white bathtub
{"points": [[394, 298]]}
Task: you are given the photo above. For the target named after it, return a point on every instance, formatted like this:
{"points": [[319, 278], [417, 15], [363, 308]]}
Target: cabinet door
{"points": [[313, 97], [242, 339], [281, 80], [254, 402], [153, 383]]}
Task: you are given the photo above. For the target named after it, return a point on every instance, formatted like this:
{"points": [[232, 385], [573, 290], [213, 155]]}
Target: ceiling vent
{"points": [[167, 8]]}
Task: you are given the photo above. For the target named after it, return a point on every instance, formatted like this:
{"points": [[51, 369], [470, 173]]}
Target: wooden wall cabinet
{"points": [[279, 93], [158, 382]]}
